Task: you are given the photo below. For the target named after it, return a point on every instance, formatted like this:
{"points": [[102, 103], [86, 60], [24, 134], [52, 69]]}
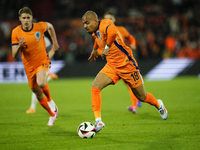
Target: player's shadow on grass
{"points": [[61, 132], [149, 116]]}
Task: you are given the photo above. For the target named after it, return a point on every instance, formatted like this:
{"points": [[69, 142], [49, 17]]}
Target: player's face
{"points": [[89, 24], [111, 17], [26, 21]]}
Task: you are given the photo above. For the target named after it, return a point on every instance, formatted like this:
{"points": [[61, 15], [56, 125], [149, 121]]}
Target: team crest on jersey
{"points": [[98, 34], [37, 36]]}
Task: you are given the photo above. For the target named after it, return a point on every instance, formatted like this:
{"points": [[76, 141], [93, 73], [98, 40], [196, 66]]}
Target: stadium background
{"points": [[163, 29]]}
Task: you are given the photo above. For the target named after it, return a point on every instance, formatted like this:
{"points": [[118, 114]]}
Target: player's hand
{"points": [[93, 55], [104, 53], [55, 47], [133, 47], [21, 41]]}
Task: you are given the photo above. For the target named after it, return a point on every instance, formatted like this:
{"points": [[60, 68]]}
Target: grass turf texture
{"points": [[124, 130]]}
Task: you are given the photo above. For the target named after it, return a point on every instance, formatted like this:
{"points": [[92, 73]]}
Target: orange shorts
{"points": [[31, 75], [128, 73]]}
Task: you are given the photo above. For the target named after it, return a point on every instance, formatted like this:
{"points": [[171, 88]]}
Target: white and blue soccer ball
{"points": [[86, 130]]}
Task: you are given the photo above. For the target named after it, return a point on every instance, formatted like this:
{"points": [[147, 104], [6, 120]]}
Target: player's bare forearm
{"points": [[15, 51], [51, 53], [52, 34]]}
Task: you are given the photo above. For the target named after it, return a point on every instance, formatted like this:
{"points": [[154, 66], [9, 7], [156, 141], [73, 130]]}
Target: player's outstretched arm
{"points": [[93, 55]]}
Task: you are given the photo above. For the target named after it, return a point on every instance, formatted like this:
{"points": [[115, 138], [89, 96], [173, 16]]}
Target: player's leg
{"points": [[51, 103], [104, 78], [42, 99], [43, 102], [41, 79], [99, 83], [133, 107], [143, 96], [42, 83], [34, 102]]}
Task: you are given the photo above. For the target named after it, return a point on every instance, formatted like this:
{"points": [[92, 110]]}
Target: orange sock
{"points": [[46, 91], [45, 105], [133, 98], [96, 102], [152, 100]]}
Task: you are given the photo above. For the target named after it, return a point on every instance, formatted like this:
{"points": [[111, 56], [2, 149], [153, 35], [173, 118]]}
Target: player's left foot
{"points": [[31, 111], [98, 126], [53, 76], [132, 109], [52, 120], [162, 110]]}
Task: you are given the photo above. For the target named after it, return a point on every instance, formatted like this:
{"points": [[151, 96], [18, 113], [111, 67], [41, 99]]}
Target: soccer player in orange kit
{"points": [[132, 43], [120, 65], [50, 77], [28, 39]]}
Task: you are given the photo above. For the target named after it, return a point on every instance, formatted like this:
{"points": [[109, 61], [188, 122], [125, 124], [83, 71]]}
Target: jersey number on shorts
{"points": [[135, 76]]}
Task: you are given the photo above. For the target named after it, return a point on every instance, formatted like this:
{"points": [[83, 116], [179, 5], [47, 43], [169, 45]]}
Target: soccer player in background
{"points": [[28, 39], [120, 65], [132, 43], [51, 76]]}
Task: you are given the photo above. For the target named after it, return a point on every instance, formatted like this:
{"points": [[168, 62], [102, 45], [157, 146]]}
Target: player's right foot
{"points": [[31, 111], [132, 109], [162, 110], [52, 120], [53, 76], [98, 126]]}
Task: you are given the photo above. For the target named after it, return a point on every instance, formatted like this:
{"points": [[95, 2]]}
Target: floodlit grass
{"points": [[124, 130]]}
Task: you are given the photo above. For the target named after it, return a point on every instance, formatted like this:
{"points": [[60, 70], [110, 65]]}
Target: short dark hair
{"points": [[109, 13], [25, 10]]}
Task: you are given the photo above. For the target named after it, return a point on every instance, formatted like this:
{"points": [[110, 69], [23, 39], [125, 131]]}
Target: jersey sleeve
{"points": [[14, 39], [43, 26], [111, 34], [95, 45]]}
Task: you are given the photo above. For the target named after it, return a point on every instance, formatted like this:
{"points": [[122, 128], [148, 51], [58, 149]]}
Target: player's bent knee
{"points": [[141, 98], [41, 84], [95, 85]]}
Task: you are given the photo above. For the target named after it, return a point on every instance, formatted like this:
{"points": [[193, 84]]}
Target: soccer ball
{"points": [[86, 130]]}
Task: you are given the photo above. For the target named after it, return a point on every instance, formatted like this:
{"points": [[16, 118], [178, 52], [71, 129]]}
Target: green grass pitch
{"points": [[124, 130]]}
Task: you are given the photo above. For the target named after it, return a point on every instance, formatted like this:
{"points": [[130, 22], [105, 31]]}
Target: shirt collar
{"points": [[94, 33], [27, 30]]}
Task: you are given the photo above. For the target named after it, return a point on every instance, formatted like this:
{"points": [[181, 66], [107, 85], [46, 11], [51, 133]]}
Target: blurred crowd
{"points": [[162, 29]]}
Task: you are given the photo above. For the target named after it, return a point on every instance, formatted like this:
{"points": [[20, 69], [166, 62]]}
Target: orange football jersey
{"points": [[33, 52], [118, 54]]}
